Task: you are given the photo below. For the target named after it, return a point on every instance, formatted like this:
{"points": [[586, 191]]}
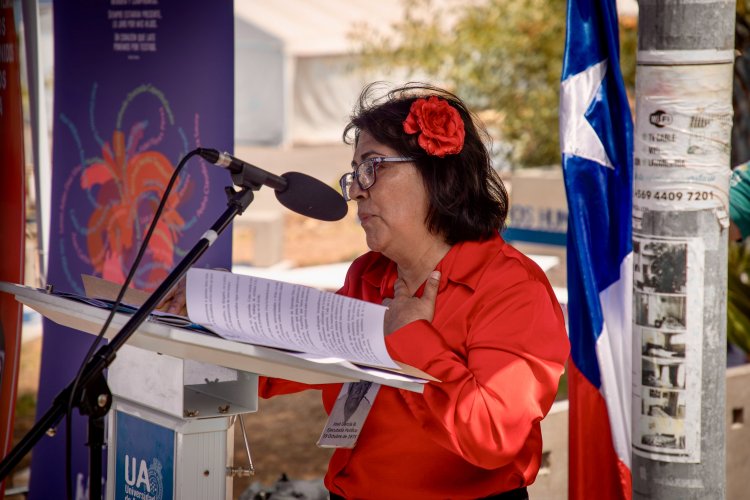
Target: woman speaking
{"points": [[463, 306]]}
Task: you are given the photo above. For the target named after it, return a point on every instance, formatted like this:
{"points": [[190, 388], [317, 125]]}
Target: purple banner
{"points": [[138, 84]]}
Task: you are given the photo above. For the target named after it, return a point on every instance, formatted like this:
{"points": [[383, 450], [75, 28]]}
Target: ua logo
{"points": [[142, 475]]}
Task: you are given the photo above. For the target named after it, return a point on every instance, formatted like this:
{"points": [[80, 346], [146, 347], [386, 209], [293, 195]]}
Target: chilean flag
{"points": [[596, 139]]}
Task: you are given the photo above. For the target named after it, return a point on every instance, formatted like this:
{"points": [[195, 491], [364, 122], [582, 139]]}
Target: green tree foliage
{"points": [[503, 57], [738, 283]]}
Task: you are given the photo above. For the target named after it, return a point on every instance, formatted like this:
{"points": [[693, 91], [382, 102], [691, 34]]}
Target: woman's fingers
{"points": [[404, 308], [431, 289], [175, 300]]}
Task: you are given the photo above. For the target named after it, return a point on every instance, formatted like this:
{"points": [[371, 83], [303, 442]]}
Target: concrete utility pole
{"points": [[680, 220]]}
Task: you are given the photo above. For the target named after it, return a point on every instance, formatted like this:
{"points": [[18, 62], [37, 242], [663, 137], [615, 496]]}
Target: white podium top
{"points": [[187, 344]]}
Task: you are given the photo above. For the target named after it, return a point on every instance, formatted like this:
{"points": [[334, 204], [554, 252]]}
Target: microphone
{"points": [[256, 176], [296, 191]]}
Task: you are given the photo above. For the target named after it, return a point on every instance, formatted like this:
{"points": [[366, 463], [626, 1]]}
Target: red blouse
{"points": [[498, 345]]}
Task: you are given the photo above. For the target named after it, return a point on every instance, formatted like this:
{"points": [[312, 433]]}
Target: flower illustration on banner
{"points": [[108, 199], [128, 187]]}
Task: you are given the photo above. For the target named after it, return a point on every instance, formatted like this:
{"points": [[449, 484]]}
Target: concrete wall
{"points": [[552, 481]]}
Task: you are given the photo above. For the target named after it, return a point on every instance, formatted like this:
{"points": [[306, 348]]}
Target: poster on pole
{"points": [[137, 86], [667, 347], [12, 220]]}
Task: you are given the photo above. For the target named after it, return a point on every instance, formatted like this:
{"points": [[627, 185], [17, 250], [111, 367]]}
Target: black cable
{"points": [[115, 306]]}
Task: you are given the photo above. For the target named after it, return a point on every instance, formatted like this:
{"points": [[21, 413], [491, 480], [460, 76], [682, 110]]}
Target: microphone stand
{"points": [[93, 397]]}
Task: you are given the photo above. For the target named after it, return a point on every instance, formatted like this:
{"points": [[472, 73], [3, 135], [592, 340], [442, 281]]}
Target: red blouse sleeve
{"points": [[499, 364]]}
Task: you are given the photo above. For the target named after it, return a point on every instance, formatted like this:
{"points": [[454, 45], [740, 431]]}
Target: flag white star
{"points": [[577, 136]]}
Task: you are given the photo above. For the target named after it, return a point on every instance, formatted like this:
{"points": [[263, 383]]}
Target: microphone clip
{"points": [[241, 198]]}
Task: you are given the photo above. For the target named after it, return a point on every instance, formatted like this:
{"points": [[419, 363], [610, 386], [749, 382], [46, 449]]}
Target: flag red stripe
{"points": [[594, 467]]}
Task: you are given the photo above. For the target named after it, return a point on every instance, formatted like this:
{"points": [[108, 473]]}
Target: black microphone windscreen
{"points": [[308, 196]]}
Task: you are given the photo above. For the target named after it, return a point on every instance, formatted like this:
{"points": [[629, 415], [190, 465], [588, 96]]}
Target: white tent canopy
{"points": [[295, 81]]}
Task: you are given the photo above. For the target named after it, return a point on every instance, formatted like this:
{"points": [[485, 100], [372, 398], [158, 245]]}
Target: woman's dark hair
{"points": [[468, 200]]}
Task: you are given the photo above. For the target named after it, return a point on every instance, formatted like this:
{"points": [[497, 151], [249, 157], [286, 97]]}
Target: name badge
{"points": [[348, 415]]}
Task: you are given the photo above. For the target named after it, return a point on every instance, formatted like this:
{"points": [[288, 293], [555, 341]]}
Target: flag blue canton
{"points": [[599, 191]]}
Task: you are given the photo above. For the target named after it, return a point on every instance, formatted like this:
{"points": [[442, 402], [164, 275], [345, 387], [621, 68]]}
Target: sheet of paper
{"points": [[295, 317]]}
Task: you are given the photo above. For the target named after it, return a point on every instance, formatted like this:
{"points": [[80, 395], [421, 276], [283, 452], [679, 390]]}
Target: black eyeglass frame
{"points": [[366, 171]]}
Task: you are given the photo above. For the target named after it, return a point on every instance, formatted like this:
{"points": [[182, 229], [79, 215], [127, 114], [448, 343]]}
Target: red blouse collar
{"points": [[463, 264]]}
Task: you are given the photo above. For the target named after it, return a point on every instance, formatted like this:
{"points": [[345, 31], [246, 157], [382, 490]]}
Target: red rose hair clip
{"points": [[440, 127]]}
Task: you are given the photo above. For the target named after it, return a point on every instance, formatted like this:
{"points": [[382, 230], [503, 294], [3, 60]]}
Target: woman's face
{"points": [[394, 209]]}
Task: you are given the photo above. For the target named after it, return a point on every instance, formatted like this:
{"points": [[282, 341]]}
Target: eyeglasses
{"points": [[365, 173]]}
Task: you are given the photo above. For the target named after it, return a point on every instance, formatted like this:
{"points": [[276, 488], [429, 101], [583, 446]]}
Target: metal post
{"points": [[680, 221], [39, 133]]}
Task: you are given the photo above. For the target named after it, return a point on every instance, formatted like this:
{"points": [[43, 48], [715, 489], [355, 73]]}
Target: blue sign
{"points": [[144, 459], [533, 224]]}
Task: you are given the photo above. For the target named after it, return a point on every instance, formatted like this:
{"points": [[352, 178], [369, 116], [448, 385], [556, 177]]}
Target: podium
{"points": [[176, 393]]}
